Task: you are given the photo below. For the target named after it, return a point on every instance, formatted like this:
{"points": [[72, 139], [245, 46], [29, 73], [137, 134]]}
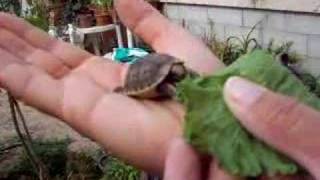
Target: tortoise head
{"points": [[178, 72]]}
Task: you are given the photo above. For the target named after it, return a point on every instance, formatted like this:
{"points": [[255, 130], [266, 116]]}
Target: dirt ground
{"points": [[41, 126]]}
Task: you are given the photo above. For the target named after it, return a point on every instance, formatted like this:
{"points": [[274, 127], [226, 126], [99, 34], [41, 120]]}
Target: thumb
{"points": [[182, 162], [289, 126]]}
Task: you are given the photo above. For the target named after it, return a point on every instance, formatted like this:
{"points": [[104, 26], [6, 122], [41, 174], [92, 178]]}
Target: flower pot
{"points": [[103, 19], [55, 13], [54, 16], [85, 20], [102, 15]]}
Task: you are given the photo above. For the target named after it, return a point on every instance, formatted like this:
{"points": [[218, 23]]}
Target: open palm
{"points": [[76, 87]]}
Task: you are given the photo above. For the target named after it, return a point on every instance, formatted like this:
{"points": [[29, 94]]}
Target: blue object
{"points": [[128, 55]]}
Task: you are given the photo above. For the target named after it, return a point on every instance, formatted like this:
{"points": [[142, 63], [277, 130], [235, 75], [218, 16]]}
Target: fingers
{"points": [[68, 54], [25, 52], [35, 47], [216, 173], [32, 86], [118, 123], [182, 162], [164, 36], [280, 121], [104, 73]]}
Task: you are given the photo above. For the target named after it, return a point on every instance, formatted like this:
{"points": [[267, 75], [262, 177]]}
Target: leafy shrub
{"points": [[230, 50], [116, 169], [53, 153]]}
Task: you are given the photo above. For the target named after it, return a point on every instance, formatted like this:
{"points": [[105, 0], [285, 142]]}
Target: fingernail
{"points": [[240, 93]]}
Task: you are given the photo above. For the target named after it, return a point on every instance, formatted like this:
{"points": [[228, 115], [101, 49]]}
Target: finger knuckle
{"points": [[285, 115]]}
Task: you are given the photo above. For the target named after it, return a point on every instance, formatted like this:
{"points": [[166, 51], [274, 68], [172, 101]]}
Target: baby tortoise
{"points": [[154, 76]]}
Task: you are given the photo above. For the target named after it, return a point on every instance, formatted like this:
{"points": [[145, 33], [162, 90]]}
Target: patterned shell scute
{"points": [[147, 73]]}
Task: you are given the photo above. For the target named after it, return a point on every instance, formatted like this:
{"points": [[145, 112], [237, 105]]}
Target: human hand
{"points": [[183, 162], [280, 121], [76, 87]]}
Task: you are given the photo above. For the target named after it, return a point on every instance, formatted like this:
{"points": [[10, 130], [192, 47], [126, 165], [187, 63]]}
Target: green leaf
{"points": [[211, 127]]}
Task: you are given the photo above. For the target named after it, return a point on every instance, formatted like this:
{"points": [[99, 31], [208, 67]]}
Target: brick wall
{"points": [[301, 28]]}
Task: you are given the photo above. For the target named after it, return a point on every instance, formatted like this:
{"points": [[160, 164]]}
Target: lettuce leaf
{"points": [[212, 129]]}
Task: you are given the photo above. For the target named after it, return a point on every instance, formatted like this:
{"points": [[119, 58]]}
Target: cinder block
{"points": [[218, 31], [312, 65], [264, 19], [276, 21], [314, 46], [302, 23], [196, 27], [242, 32], [193, 13], [299, 40], [226, 16], [177, 21], [172, 11], [253, 17], [210, 31]]}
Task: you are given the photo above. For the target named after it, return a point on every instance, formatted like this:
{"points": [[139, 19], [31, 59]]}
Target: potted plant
{"points": [[9, 6], [55, 8], [77, 12], [103, 10], [36, 15]]}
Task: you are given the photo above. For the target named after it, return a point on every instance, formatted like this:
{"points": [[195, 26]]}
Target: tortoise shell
{"points": [[147, 77]]}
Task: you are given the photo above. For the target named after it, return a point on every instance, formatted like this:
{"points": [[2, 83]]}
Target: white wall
{"points": [[312, 6], [301, 28]]}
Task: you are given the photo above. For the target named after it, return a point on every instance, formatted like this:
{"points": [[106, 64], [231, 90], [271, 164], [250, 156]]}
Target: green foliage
{"points": [[37, 15], [230, 50], [83, 164], [311, 82], [118, 170], [38, 21], [52, 153], [63, 164], [72, 9], [234, 47], [12, 6], [211, 127], [238, 46], [102, 3], [284, 48]]}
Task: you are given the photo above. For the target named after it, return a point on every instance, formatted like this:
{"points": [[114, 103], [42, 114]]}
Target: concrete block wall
{"points": [[301, 28]]}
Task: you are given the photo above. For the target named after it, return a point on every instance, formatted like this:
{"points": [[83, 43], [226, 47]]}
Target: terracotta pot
{"points": [[98, 10], [55, 13], [102, 15], [103, 19], [85, 20], [55, 16]]}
